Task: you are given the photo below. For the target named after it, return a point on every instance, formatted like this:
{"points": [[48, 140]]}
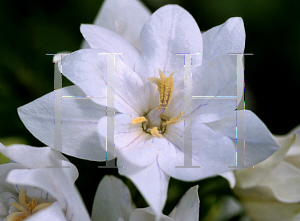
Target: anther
{"points": [[138, 120], [174, 120], [154, 131]]}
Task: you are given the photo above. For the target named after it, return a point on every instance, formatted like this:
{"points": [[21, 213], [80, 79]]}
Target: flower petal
{"points": [[292, 156], [229, 176], [284, 181], [270, 211], [150, 180], [7, 197], [7, 167], [170, 30], [214, 78], [211, 79], [101, 38], [188, 206], [223, 39], [146, 214], [53, 212], [259, 142], [79, 117], [125, 17], [53, 181], [8, 194], [250, 177], [40, 195], [217, 74], [88, 69], [112, 200], [212, 151], [131, 142], [39, 157]]}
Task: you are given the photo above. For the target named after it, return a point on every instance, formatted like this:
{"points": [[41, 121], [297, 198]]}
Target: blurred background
{"points": [[30, 29]]}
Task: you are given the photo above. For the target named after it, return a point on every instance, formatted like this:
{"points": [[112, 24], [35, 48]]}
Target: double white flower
{"points": [[151, 150], [28, 189], [271, 191]]}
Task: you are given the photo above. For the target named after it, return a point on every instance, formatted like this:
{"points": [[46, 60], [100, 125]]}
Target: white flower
{"points": [[113, 203], [151, 150], [271, 191], [29, 189]]}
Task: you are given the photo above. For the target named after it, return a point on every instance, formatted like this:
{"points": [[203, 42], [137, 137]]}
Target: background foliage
{"points": [[30, 29]]}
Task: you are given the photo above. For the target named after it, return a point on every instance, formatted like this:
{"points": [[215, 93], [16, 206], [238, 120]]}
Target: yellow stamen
{"points": [[154, 131], [22, 198], [19, 207], [155, 121], [21, 217], [32, 204], [17, 216], [138, 120], [165, 86], [26, 207], [41, 206], [174, 120]]}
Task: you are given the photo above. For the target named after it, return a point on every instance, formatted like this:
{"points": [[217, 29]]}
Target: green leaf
{"points": [[3, 159]]}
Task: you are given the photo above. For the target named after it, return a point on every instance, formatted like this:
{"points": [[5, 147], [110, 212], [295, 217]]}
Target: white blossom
{"points": [[271, 191], [30, 190], [149, 103]]}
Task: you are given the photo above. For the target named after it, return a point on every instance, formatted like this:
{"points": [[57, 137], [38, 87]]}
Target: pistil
{"points": [[165, 86]]}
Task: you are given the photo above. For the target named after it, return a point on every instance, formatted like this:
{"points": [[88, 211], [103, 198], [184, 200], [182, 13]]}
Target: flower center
{"points": [[26, 208], [154, 122]]}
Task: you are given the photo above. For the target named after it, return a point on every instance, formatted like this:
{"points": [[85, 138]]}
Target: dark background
{"points": [[30, 29]]}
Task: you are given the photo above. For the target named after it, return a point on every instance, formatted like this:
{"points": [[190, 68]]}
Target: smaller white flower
{"points": [[25, 207], [271, 191], [113, 203], [29, 190]]}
